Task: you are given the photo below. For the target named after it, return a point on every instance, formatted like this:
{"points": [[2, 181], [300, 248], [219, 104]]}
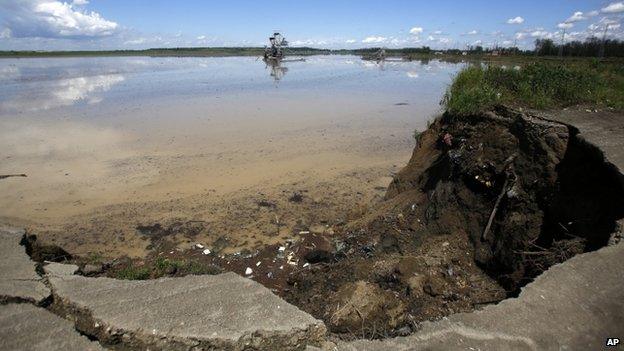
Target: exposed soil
{"points": [[485, 204]]}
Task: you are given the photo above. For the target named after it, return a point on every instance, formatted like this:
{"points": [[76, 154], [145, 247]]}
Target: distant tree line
{"points": [[591, 47]]}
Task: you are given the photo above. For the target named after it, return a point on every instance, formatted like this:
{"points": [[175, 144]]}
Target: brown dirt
{"points": [[427, 243], [372, 267]]}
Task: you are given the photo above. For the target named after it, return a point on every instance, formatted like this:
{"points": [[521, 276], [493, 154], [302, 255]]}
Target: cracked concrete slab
{"points": [[18, 279], [575, 305], [603, 129], [27, 327], [60, 269], [224, 311]]}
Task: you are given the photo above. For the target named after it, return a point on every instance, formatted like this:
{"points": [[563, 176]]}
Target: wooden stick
{"points": [[2, 176], [495, 209]]}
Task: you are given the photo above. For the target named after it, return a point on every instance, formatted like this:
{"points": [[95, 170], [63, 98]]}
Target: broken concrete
{"points": [[18, 279], [60, 269], [224, 311], [26, 327], [575, 305]]}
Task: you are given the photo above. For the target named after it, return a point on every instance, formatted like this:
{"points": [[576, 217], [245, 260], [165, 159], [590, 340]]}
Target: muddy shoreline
{"points": [[442, 240]]}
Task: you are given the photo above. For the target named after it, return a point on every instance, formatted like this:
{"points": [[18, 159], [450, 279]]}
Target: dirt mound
{"points": [[485, 204]]}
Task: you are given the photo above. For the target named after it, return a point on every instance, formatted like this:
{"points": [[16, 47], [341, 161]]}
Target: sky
{"points": [[440, 24]]}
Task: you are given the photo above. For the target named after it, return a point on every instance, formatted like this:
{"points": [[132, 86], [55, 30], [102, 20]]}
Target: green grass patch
{"points": [[541, 85], [133, 273]]}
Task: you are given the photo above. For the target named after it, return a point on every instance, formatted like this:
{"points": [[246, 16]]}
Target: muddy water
{"points": [[109, 143]]}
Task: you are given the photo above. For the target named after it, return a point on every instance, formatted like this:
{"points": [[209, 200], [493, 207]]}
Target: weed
{"points": [[539, 85], [134, 273]]}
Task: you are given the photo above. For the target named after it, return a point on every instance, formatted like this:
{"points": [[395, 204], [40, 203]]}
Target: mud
{"points": [[485, 204]]}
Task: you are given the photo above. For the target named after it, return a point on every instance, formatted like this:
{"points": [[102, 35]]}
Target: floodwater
{"points": [[94, 133]]}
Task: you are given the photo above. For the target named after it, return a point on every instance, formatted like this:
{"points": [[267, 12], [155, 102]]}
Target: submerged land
{"points": [[521, 171]]}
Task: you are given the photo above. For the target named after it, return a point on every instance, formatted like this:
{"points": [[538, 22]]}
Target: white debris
{"points": [[281, 249], [281, 267], [306, 265], [248, 271], [303, 232], [206, 252], [446, 243], [258, 264], [199, 246]]}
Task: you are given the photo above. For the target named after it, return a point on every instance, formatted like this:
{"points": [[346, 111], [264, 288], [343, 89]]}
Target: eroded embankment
{"points": [[485, 204]]}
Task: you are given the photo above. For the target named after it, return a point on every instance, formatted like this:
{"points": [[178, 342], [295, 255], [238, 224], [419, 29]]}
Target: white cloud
{"points": [[565, 25], [520, 35], [592, 13], [507, 42], [515, 20], [416, 30], [614, 7], [201, 37], [373, 39], [135, 41], [412, 74], [5, 33], [541, 34], [444, 40], [437, 32], [80, 2], [477, 42], [473, 32], [577, 16], [350, 41], [431, 38], [54, 19]]}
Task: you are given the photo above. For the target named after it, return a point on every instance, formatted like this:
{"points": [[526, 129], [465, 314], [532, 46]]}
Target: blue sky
{"points": [[137, 24]]}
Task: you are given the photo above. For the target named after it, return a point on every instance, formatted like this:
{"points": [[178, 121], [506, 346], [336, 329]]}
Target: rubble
{"points": [[163, 314], [19, 280]]}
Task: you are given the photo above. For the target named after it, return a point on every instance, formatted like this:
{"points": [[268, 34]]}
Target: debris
{"points": [[448, 139], [306, 265], [92, 269], [3, 176], [304, 232], [248, 271], [296, 198], [281, 249], [206, 252], [317, 256], [507, 165], [258, 264], [199, 246]]}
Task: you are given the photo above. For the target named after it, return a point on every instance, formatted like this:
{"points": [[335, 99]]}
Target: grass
{"points": [[538, 85], [133, 273], [165, 267]]}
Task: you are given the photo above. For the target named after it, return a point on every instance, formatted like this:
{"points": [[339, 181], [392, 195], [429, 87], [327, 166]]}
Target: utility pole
{"points": [[604, 38], [562, 41]]}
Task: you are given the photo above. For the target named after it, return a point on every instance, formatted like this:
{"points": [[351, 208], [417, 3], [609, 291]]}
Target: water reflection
{"points": [[277, 71], [65, 84], [63, 92]]}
